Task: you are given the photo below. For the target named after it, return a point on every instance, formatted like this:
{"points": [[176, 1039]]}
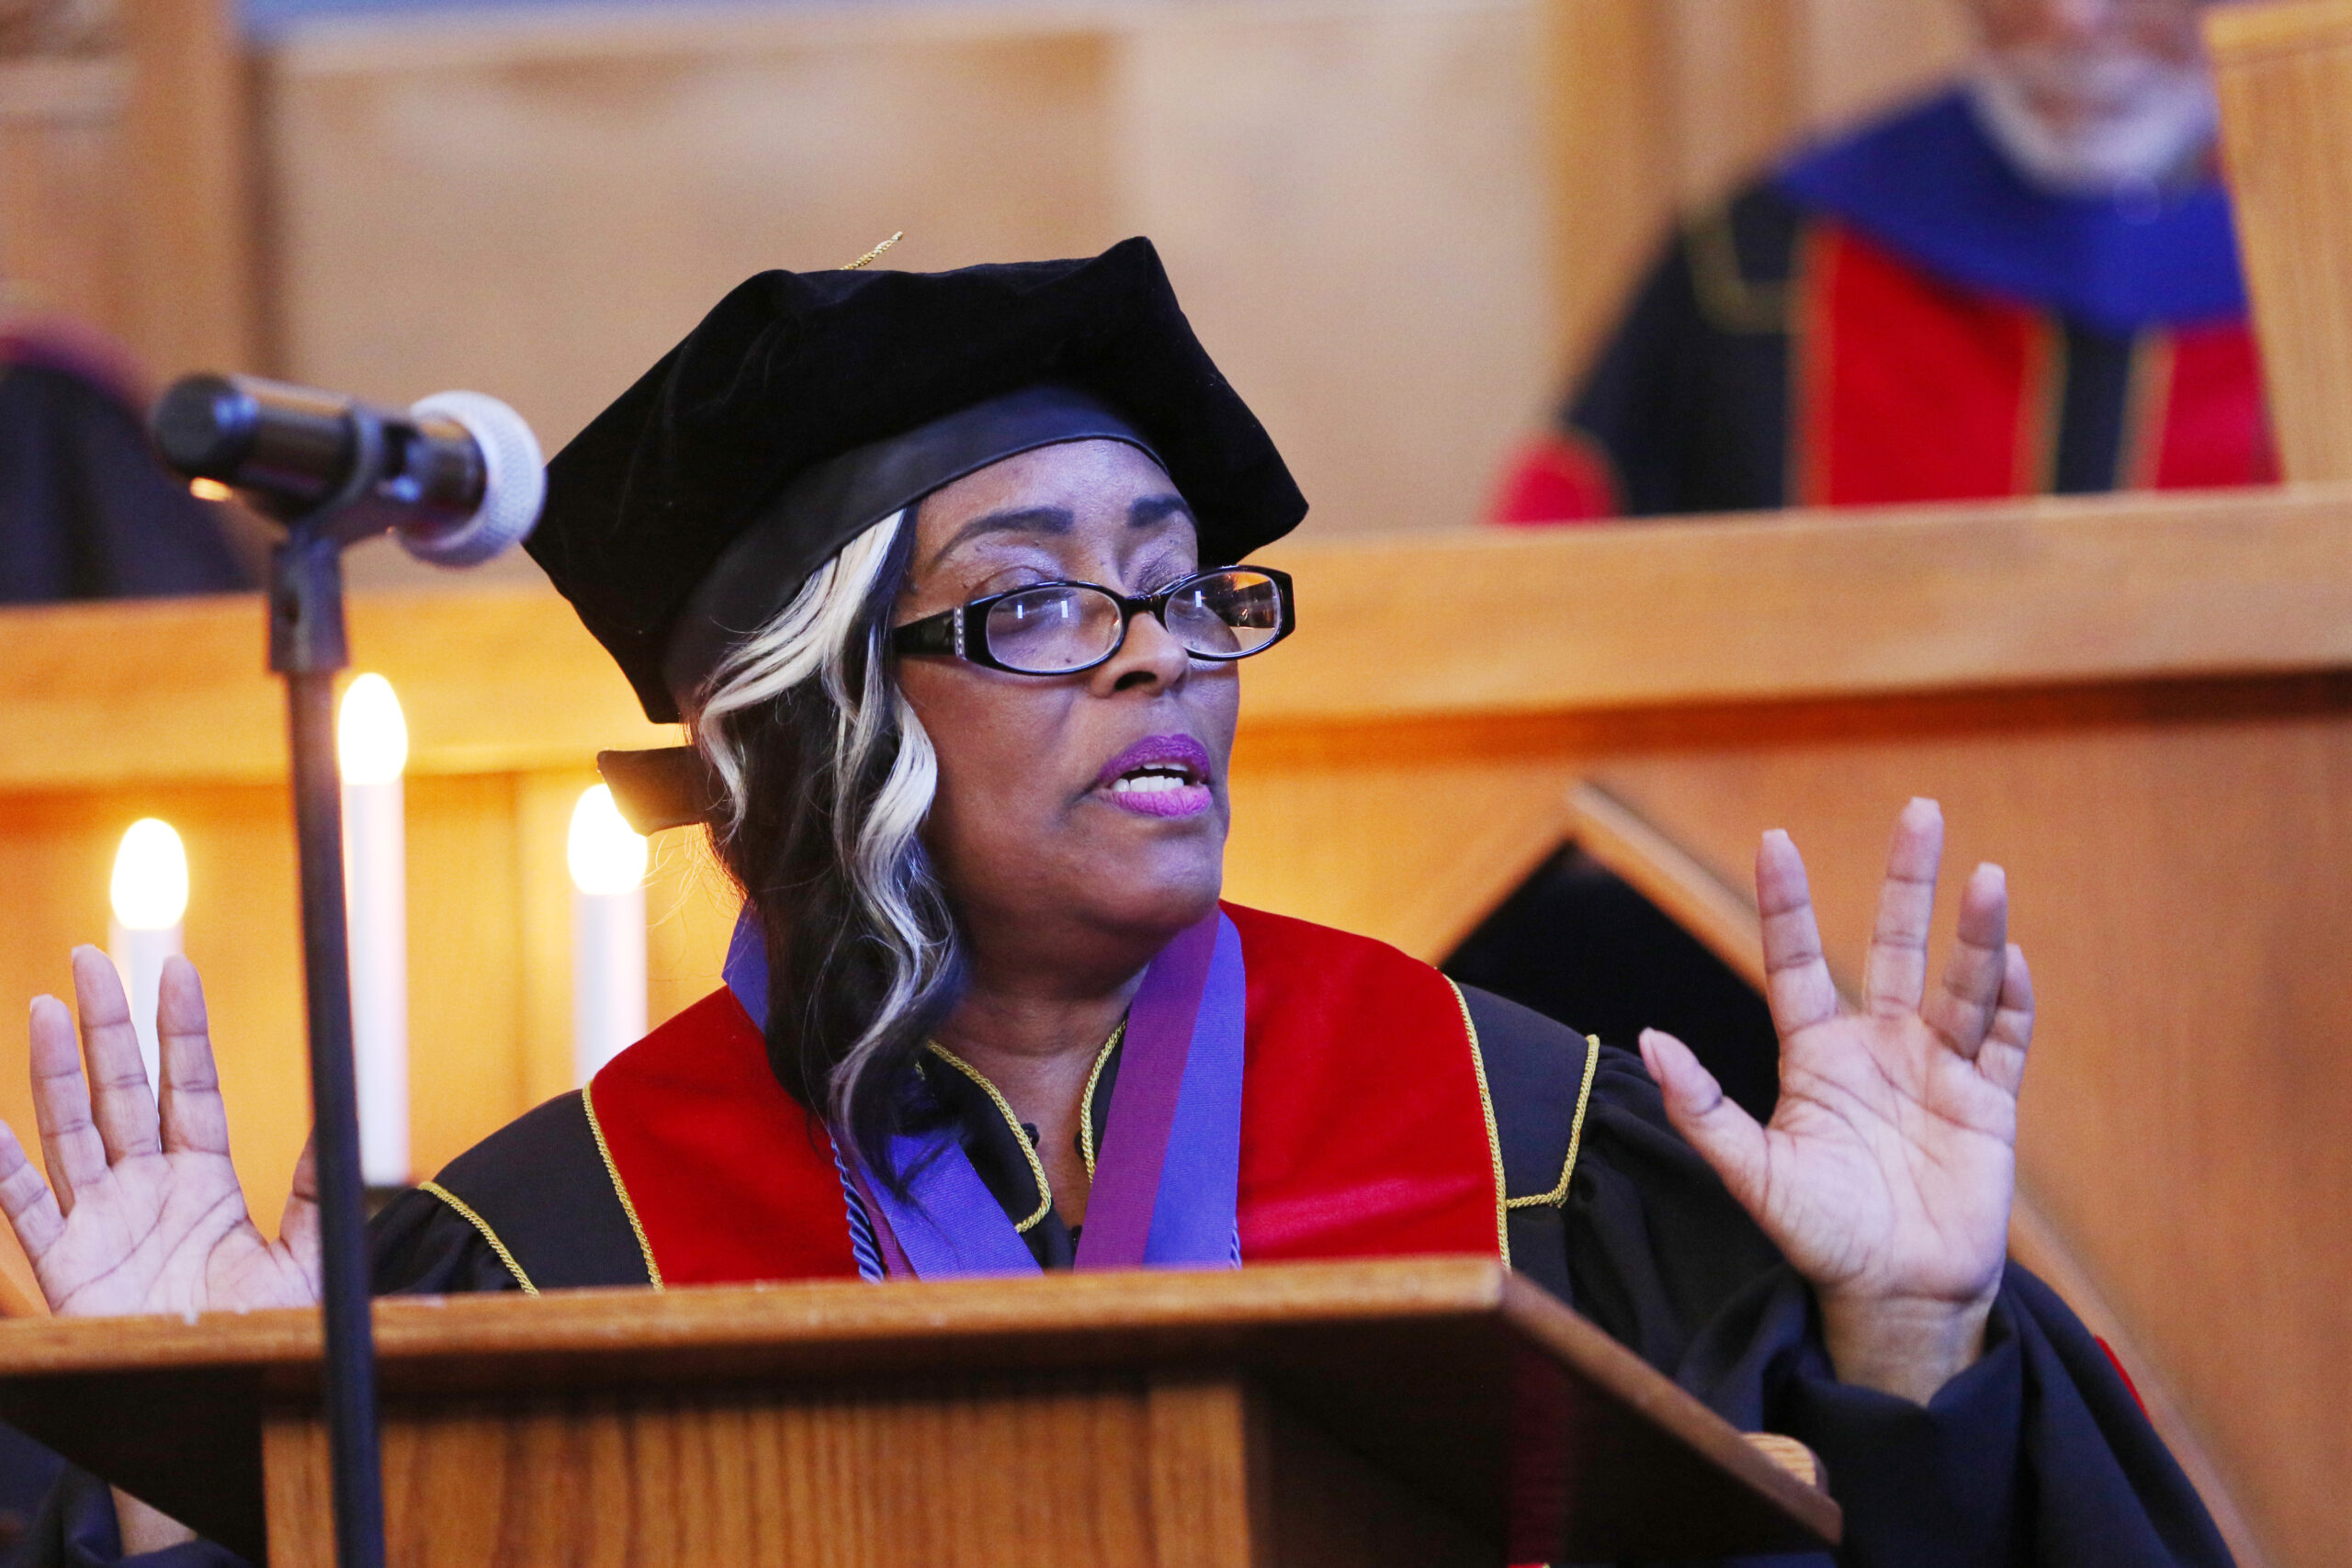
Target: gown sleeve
{"points": [[419, 1246], [2037, 1454]]}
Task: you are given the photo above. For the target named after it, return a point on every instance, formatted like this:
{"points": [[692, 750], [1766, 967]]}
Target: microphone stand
{"points": [[308, 646]]}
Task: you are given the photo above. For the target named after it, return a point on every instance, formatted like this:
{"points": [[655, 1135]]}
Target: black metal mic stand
{"points": [[307, 645]]}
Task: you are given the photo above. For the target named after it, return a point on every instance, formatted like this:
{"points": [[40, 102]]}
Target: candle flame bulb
{"points": [[607, 859], [607, 855], [371, 735], [149, 895], [150, 887]]}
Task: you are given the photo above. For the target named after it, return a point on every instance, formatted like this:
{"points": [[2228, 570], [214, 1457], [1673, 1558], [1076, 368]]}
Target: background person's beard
{"points": [[2079, 123]]}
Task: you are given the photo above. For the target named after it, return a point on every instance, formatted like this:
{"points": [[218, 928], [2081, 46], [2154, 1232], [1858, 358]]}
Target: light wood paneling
{"points": [[2285, 76], [190, 231], [124, 197], [466, 857], [1351, 201], [542, 208], [489, 682], [1609, 154], [60, 187], [1349, 195], [1811, 604]]}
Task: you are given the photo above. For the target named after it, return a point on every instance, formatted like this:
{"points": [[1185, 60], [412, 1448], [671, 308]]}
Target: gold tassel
{"points": [[876, 254]]}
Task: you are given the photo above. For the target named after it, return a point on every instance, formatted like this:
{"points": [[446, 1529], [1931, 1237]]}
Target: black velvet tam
{"points": [[793, 371]]}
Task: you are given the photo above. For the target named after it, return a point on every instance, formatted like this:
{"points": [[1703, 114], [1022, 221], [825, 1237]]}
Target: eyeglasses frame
{"points": [[950, 633]]}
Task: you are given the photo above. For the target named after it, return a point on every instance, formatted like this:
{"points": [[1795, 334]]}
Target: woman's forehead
{"points": [[1076, 494]]}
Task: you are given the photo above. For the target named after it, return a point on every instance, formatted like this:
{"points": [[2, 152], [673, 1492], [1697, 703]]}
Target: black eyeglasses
{"points": [[1060, 629]]}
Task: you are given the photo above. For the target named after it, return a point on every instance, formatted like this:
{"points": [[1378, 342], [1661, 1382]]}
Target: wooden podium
{"points": [[1430, 1411]]}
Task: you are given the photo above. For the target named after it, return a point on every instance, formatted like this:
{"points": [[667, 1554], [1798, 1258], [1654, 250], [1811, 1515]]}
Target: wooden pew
{"points": [[2141, 706]]}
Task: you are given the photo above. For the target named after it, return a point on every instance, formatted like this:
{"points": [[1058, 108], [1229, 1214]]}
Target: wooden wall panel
{"points": [[124, 184], [465, 944], [62, 188], [2285, 76], [1349, 197], [543, 207], [1608, 155], [190, 233]]}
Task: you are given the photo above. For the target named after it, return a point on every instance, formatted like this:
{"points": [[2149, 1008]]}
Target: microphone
{"points": [[456, 479]]}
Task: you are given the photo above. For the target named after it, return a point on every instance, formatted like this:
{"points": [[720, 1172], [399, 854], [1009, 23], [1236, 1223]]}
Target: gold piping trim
{"points": [[2145, 404], [2041, 408], [1036, 1166], [1086, 1101], [466, 1213], [1811, 329], [1494, 1134], [620, 1190], [1558, 1196], [1731, 302]]}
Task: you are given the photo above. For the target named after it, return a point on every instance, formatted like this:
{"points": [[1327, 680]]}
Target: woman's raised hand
{"points": [[1886, 1173], [143, 1213]]}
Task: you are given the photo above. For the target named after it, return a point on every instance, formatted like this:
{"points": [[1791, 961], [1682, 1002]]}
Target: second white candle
{"points": [[372, 741], [608, 859]]}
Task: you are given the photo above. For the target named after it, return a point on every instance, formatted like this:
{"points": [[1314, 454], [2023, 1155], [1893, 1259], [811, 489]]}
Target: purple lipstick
{"points": [[1160, 776]]}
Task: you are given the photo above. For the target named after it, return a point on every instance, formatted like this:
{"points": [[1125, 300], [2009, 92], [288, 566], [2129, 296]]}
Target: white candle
{"points": [[608, 859], [372, 741], [149, 895]]}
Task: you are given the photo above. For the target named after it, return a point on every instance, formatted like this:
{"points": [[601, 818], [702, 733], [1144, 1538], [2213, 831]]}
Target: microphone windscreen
{"points": [[514, 481]]}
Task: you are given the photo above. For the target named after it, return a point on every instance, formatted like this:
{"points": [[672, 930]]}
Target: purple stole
{"points": [[1167, 1180]]}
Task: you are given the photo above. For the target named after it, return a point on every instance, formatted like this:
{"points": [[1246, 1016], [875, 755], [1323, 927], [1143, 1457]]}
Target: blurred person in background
{"points": [[2026, 284], [85, 511]]}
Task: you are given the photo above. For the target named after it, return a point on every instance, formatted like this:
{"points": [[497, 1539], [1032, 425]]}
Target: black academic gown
{"points": [[2038, 1454]]}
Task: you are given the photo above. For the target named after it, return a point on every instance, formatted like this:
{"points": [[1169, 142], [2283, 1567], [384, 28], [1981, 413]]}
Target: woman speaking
{"points": [[940, 572]]}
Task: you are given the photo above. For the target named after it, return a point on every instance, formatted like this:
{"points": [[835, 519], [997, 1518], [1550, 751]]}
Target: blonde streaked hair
{"points": [[828, 778]]}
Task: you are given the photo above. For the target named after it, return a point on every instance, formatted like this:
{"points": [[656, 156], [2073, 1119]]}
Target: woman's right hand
{"points": [[143, 1213]]}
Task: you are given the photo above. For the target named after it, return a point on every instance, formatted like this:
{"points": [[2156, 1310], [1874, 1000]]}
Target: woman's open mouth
{"points": [[1161, 776]]}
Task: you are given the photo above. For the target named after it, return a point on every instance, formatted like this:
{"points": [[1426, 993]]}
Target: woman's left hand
{"points": [[1886, 1172]]}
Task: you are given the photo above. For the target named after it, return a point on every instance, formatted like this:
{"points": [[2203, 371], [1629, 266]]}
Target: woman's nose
{"points": [[1150, 656]]}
